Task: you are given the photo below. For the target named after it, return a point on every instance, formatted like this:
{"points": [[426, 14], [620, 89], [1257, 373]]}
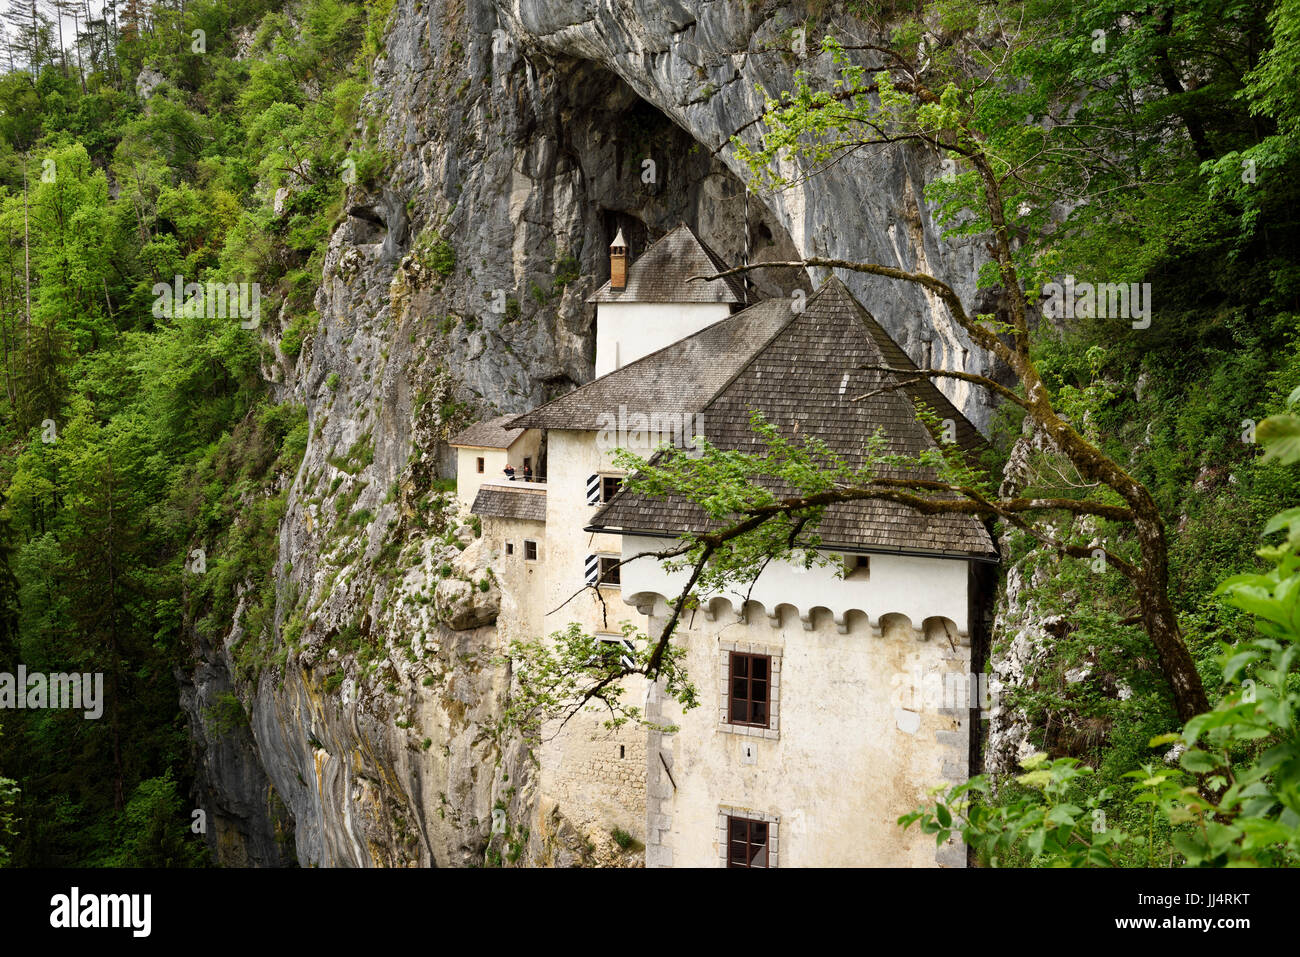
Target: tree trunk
{"points": [[27, 249], [1150, 575], [1161, 621]]}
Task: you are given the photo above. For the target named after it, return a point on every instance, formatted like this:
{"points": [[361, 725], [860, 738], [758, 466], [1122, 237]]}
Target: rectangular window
{"points": [[614, 647], [480, 464], [530, 550], [746, 842], [510, 548], [857, 566], [610, 572], [609, 486], [750, 690]]}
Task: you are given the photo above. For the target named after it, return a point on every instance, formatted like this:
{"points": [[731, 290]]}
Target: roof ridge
{"points": [[712, 327], [925, 383], [840, 288], [772, 338], [763, 348], [733, 288], [753, 356], [497, 423], [735, 282]]}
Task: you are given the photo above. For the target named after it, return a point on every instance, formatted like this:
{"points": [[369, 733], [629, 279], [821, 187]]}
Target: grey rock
{"points": [[147, 82]]}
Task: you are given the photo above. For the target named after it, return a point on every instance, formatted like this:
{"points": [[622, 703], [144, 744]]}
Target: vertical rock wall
{"points": [[517, 136]]}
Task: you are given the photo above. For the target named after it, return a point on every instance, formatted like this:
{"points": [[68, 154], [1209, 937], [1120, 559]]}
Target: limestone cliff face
{"points": [[518, 133]]}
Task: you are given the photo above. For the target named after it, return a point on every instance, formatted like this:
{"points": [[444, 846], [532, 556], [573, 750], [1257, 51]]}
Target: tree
{"points": [[948, 83], [30, 35], [8, 817], [1243, 809]]}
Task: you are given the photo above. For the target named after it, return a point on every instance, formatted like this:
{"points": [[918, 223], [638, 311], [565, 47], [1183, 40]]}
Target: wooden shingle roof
{"points": [[516, 500], [488, 434], [662, 274], [804, 379], [679, 378]]}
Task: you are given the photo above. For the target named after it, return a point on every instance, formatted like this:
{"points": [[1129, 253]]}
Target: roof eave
{"points": [[990, 557]]}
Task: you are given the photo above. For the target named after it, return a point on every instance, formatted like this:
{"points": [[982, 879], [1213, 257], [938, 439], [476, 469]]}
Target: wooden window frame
{"points": [[480, 464], [722, 839], [604, 480], [510, 548], [775, 653], [530, 545], [749, 679], [751, 826], [600, 571]]}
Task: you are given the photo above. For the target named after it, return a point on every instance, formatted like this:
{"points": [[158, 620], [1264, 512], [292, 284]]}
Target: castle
{"points": [[814, 731]]}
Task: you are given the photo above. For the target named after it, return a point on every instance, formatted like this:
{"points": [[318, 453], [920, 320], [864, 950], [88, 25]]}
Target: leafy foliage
{"points": [[1235, 798], [572, 671], [134, 436]]}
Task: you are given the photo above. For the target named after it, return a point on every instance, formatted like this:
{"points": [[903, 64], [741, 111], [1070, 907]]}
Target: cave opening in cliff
{"points": [[645, 174]]}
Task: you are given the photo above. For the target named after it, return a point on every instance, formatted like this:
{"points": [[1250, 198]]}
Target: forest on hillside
{"points": [[217, 140], [162, 424]]}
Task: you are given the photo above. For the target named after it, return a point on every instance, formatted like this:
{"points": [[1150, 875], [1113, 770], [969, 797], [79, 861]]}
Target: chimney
{"points": [[618, 263]]}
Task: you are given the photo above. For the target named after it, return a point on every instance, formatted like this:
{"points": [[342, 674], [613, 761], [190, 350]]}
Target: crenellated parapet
{"points": [[847, 621]]}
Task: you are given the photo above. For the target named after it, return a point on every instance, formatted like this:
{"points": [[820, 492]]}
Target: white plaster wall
{"points": [[597, 775], [572, 456], [468, 480], [847, 762], [526, 446], [918, 587], [522, 582], [626, 331]]}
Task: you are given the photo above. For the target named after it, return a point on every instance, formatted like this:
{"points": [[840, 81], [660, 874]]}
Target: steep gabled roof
{"points": [[488, 434], [804, 380], [679, 378], [663, 271]]}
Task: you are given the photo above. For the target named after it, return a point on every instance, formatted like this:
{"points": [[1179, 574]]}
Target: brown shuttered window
{"points": [[746, 842], [750, 690]]}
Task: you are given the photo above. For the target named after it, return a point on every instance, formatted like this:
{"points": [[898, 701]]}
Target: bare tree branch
{"points": [[920, 374]]}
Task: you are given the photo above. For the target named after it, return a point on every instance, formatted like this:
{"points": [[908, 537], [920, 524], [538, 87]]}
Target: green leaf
{"points": [[1198, 761], [1191, 847], [1280, 437]]}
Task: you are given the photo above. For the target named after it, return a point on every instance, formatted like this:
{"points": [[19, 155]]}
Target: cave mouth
{"points": [[645, 174]]}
